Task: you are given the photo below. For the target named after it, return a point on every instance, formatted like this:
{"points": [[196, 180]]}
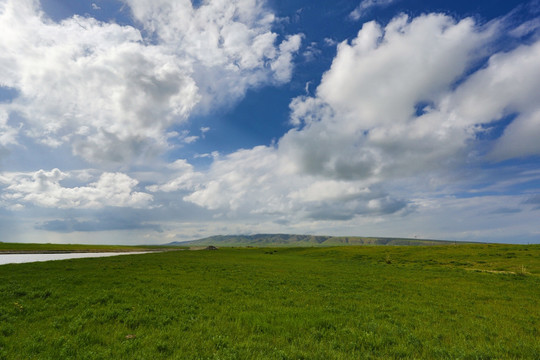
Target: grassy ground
{"points": [[51, 248], [454, 302]]}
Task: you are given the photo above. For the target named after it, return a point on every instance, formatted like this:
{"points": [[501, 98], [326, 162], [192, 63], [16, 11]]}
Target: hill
{"points": [[285, 240]]}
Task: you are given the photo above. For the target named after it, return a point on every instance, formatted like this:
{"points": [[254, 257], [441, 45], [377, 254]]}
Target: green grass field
{"points": [[52, 248], [372, 302]]}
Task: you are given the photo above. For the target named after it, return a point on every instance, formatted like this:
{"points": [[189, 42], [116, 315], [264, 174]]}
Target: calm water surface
{"points": [[24, 258]]}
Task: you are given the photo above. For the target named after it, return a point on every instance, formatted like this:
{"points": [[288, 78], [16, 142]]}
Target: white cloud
{"points": [[183, 136], [91, 84], [242, 182], [191, 139], [367, 5], [112, 94], [263, 182], [363, 123], [509, 85], [392, 107], [185, 178], [330, 42], [312, 52], [526, 28], [230, 43], [44, 189], [282, 64], [329, 190], [473, 219], [8, 134], [397, 113], [520, 139], [388, 71]]}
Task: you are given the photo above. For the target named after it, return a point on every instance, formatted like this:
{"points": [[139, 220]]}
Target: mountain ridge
{"points": [[276, 240]]}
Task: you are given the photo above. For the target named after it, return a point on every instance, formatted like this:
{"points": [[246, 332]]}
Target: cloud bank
{"points": [[406, 101], [113, 92], [425, 122], [44, 189]]}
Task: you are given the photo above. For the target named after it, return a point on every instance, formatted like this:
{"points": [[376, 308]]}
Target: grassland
{"points": [[371, 302], [66, 248]]}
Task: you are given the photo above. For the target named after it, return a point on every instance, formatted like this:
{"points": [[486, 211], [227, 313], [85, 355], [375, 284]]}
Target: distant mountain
{"points": [[274, 240]]}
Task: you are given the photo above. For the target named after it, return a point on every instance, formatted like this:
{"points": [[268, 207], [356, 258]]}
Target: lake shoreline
{"points": [[22, 252], [30, 257]]}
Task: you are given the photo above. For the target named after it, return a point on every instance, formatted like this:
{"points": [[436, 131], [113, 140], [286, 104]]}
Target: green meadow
{"points": [[363, 302], [61, 248]]}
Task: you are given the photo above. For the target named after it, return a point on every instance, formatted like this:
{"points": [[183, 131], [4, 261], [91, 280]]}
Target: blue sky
{"points": [[145, 122]]}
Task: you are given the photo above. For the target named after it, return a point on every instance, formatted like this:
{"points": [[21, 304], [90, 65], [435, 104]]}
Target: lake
{"points": [[25, 258]]}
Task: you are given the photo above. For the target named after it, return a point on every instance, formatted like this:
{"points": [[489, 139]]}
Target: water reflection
{"points": [[25, 258]]}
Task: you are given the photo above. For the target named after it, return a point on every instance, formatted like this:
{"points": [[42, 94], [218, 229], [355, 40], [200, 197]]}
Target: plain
{"points": [[449, 301]]}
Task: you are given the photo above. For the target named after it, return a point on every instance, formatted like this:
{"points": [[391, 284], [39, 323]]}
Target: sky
{"points": [[152, 121]]}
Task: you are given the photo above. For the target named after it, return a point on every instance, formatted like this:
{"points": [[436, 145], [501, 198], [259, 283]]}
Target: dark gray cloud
{"points": [[3, 152], [282, 222], [534, 200], [384, 205], [73, 225], [506, 210], [331, 214]]}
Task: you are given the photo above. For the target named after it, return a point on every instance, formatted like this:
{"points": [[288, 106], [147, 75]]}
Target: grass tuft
{"points": [[522, 271]]}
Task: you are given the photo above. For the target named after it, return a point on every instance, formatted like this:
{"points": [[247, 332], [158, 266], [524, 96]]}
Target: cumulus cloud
{"points": [[365, 121], [185, 178], [509, 85], [402, 106], [44, 189], [112, 93], [264, 182], [397, 103], [394, 102], [90, 84], [230, 43], [245, 181]]}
